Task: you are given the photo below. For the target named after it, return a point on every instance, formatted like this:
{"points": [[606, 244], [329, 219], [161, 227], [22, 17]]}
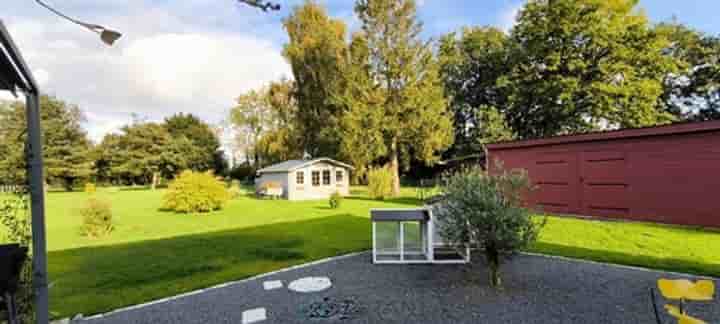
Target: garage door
{"points": [[555, 175], [603, 178]]}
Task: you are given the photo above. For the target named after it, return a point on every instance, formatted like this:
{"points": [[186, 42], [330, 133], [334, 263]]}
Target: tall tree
{"points": [[252, 118], [361, 99], [694, 92], [471, 64], [282, 141], [315, 51], [144, 152], [585, 64], [202, 153], [66, 144], [404, 87]]}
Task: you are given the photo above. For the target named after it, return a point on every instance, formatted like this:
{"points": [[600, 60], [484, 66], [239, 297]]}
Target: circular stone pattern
{"points": [[310, 284]]}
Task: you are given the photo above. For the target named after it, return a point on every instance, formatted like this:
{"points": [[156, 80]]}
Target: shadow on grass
{"points": [[399, 200], [645, 261], [98, 279]]}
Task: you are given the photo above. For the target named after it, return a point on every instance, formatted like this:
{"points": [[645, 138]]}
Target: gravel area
{"points": [[537, 289]]}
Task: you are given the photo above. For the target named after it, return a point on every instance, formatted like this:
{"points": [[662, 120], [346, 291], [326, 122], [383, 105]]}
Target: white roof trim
{"points": [[269, 169]]}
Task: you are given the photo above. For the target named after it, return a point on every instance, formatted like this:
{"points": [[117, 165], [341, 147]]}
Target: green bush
{"points": [[96, 218], [15, 224], [380, 183], [486, 212], [235, 192], [195, 192], [90, 188], [335, 200]]}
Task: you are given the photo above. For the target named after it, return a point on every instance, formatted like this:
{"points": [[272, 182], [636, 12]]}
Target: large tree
{"points": [[694, 92], [316, 51], [66, 145], [282, 141], [585, 64], [471, 63], [142, 153], [252, 118], [202, 154], [267, 125], [399, 113]]}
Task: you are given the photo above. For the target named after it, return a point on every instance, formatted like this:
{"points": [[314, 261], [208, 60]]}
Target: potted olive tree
{"points": [[486, 211]]}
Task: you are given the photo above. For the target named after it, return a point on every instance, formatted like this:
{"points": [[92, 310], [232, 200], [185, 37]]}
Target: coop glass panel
{"points": [[387, 238], [413, 237]]}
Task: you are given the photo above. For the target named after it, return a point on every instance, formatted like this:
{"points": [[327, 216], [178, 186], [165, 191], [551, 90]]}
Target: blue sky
{"points": [[198, 55]]}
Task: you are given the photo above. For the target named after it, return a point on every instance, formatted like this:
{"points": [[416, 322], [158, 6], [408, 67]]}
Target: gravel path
{"points": [[537, 290]]}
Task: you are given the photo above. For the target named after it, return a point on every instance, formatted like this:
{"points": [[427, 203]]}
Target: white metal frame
{"points": [[427, 242]]}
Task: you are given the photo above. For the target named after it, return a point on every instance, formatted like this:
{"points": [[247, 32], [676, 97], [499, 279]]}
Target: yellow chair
{"points": [[682, 290], [682, 318]]}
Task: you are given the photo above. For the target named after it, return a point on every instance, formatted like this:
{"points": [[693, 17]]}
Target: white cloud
{"points": [[194, 57]]}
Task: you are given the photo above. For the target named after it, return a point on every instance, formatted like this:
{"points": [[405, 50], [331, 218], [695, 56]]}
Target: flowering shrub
{"points": [[97, 218], [195, 192], [380, 183], [90, 188]]}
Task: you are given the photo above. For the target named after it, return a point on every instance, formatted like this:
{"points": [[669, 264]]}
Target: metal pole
{"points": [[37, 203]]}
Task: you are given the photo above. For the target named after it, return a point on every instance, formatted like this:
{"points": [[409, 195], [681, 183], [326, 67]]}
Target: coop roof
{"points": [[399, 215]]}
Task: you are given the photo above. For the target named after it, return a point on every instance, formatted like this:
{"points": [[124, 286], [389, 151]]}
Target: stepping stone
{"points": [[254, 315], [310, 284], [272, 284]]}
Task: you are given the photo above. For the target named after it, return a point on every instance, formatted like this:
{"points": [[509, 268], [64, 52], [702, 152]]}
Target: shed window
{"points": [[326, 177], [316, 178], [339, 177], [300, 177]]}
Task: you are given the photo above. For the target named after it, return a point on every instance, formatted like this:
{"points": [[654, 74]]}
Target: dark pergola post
{"points": [[15, 75], [37, 201]]}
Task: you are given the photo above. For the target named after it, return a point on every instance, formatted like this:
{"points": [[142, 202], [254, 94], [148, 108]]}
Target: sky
{"points": [[197, 56]]}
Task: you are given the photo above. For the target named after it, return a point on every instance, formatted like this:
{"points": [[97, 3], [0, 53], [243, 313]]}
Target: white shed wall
{"points": [[308, 191]]}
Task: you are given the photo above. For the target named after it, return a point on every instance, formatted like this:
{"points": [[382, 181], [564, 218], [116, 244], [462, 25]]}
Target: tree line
{"points": [[141, 153], [384, 96]]}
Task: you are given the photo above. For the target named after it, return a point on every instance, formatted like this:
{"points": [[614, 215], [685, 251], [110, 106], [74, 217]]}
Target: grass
{"points": [[154, 254], [666, 247]]}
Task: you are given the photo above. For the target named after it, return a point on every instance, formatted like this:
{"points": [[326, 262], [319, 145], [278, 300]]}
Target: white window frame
{"points": [[300, 175]]}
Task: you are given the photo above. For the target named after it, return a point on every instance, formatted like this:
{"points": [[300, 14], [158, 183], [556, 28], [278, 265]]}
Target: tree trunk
{"points": [[395, 169], [154, 180], [493, 260]]}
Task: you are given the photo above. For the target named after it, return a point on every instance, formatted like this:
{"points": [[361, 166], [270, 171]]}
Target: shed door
{"points": [[603, 178]]}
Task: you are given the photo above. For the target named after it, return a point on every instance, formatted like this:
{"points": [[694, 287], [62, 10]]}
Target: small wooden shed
{"points": [[668, 174], [307, 179]]}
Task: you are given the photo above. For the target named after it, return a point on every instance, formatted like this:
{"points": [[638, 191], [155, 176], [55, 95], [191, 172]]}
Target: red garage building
{"points": [[668, 174]]}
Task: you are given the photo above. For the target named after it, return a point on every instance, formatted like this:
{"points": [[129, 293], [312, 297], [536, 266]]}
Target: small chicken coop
{"points": [[409, 235]]}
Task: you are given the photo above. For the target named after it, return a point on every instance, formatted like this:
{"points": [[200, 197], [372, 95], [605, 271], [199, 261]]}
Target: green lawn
{"points": [[154, 254]]}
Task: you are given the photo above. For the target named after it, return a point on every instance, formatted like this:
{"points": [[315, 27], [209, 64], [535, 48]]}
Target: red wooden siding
{"points": [[668, 174]]}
